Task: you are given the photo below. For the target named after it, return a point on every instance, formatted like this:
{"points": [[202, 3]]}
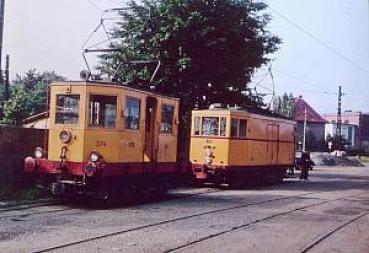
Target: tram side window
{"points": [[243, 128], [234, 127], [196, 124], [210, 126], [103, 111], [67, 109], [166, 118], [223, 125], [132, 114]]}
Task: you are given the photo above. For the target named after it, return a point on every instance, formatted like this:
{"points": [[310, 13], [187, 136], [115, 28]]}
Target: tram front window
{"points": [[67, 109], [210, 126], [103, 111]]}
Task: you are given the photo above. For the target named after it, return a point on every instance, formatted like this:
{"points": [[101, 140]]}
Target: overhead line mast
{"points": [[2, 11], [339, 115]]}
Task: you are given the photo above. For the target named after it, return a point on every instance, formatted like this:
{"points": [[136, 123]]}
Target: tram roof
{"points": [[114, 85], [246, 110]]}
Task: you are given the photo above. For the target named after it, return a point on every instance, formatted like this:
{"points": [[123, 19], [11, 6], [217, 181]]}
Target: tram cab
{"points": [[103, 135]]}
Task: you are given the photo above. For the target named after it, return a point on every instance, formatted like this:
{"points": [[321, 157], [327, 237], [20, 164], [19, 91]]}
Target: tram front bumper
{"points": [[205, 172]]}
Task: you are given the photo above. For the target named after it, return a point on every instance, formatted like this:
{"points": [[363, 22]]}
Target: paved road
{"points": [[328, 213]]}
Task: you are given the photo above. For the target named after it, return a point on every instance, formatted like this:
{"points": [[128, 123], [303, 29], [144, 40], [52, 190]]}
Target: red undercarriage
{"points": [[111, 169], [217, 172]]}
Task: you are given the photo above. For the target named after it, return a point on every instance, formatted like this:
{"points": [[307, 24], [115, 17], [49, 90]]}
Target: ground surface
{"points": [[328, 213]]}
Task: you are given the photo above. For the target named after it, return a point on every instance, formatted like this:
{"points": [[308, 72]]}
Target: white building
{"points": [[348, 133]]}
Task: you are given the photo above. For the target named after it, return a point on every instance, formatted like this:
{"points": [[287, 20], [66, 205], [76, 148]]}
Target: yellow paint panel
{"points": [[130, 146], [220, 149], [75, 146], [104, 141], [167, 148]]}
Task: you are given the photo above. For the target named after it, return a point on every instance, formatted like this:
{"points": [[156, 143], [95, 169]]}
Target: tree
{"points": [[17, 108], [284, 105], [208, 50], [28, 96]]}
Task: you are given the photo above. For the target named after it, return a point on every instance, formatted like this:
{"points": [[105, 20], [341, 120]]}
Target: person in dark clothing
{"points": [[305, 164]]}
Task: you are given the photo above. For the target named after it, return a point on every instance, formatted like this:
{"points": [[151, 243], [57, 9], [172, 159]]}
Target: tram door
{"points": [[273, 145], [150, 153]]}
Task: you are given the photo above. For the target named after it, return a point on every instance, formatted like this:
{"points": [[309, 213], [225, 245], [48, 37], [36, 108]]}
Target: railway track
{"points": [[305, 249], [20, 207], [50, 203], [116, 233], [331, 232]]}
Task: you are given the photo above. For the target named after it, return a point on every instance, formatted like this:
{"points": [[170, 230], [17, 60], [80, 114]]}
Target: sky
{"points": [[325, 44]]}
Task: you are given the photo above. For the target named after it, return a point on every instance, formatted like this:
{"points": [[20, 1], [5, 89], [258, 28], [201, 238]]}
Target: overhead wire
{"points": [[113, 2], [96, 6], [326, 46], [321, 42], [321, 89]]}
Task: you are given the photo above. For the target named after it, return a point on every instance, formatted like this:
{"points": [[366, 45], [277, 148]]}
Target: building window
{"points": [[166, 118], [132, 114], [103, 111], [350, 133], [67, 109], [234, 127]]}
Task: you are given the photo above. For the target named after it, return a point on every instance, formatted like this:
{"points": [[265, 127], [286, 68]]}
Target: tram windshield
{"points": [[67, 109], [103, 111], [211, 126]]}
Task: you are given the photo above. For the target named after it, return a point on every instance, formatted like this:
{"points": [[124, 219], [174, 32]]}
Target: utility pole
{"points": [[7, 92], [304, 137], [339, 117], [339, 112], [2, 11]]}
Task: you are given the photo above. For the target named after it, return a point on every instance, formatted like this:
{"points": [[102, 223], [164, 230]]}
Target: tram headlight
{"points": [[65, 136], [208, 155], [39, 153], [208, 152], [94, 156], [208, 160]]}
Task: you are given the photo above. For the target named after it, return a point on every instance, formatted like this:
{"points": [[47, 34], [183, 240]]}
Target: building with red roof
{"points": [[315, 126]]}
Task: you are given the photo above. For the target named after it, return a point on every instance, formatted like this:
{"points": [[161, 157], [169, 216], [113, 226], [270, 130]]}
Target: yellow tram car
{"points": [[104, 136], [237, 145]]}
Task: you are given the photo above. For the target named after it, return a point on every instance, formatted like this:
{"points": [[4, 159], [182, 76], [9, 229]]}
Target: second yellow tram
{"points": [[230, 145]]}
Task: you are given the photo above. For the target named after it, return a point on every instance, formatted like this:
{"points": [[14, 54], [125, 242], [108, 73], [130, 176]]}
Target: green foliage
{"points": [[206, 48], [284, 105], [28, 95], [16, 109]]}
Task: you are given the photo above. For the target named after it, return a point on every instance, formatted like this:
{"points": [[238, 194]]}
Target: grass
{"points": [[8, 193]]}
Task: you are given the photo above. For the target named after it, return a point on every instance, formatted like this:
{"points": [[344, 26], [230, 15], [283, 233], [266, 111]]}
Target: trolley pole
{"points": [[304, 137]]}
